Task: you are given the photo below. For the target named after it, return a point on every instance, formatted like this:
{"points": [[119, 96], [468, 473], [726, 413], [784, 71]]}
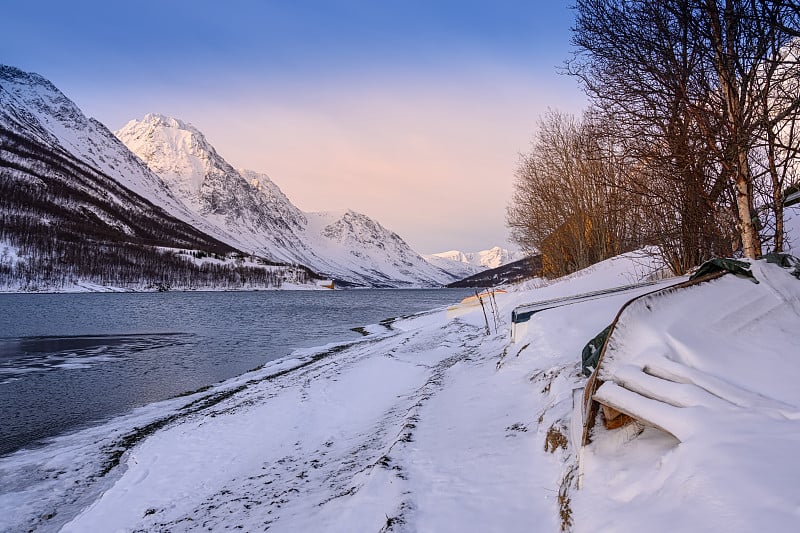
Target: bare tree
{"points": [[636, 61], [775, 159], [684, 81], [565, 204]]}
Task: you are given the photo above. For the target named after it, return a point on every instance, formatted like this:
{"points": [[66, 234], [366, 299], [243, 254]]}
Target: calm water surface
{"points": [[70, 360]]}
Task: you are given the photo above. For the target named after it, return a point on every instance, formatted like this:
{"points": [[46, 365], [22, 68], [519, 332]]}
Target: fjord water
{"points": [[68, 361]]}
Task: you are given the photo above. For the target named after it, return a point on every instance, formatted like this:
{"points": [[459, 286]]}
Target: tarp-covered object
{"points": [[785, 261], [739, 268], [591, 352], [596, 353]]}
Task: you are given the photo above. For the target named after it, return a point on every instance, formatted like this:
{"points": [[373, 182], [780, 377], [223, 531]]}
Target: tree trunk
{"points": [[724, 35], [751, 244], [777, 191]]}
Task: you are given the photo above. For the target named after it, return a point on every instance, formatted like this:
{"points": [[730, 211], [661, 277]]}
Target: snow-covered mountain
{"points": [[32, 108], [464, 264], [74, 198], [77, 206], [244, 212], [251, 209], [459, 269], [491, 258]]}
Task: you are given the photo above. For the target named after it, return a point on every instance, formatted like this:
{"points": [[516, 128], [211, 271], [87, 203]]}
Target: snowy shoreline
{"points": [[101, 289], [425, 424], [86, 288], [77, 466]]}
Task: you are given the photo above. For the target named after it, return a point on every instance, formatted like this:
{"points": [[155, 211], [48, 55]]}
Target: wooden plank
{"points": [[608, 403]]}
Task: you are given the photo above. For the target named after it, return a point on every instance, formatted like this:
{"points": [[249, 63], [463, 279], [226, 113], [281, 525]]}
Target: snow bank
{"points": [[715, 367]]}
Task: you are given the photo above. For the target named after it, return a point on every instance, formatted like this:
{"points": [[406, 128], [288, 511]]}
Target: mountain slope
{"points": [[508, 273], [259, 218], [458, 269], [75, 203]]}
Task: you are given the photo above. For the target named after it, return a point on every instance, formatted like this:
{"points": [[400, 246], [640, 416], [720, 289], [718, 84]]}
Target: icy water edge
{"points": [[69, 361]]}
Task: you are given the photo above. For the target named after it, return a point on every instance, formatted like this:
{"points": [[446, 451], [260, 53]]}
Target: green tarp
{"points": [[742, 268], [591, 352], [738, 268]]}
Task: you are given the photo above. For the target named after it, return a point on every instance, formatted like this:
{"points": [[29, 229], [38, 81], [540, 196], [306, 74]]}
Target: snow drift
{"points": [[714, 367]]}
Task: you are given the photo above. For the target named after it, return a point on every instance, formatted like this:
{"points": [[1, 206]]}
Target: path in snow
{"points": [[405, 431]]}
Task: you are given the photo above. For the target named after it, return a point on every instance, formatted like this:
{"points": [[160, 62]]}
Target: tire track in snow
{"points": [[325, 470]]}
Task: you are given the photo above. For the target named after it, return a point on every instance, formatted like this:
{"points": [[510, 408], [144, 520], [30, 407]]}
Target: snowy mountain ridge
{"points": [[79, 210], [252, 209], [31, 104], [465, 264], [491, 258]]}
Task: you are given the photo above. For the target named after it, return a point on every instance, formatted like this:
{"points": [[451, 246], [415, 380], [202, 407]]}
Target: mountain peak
{"points": [[19, 76], [152, 122], [39, 101], [345, 245], [173, 149], [165, 121]]}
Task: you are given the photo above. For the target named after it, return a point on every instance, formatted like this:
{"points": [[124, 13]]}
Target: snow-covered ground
{"points": [[430, 424], [715, 366]]}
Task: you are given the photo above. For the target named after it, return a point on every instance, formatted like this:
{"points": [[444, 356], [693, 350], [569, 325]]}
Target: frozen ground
{"points": [[426, 424]]}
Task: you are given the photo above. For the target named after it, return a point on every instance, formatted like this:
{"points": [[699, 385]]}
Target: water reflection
{"points": [[23, 355]]}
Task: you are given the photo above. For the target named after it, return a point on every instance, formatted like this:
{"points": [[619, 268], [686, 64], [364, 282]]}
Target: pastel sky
{"points": [[412, 112]]}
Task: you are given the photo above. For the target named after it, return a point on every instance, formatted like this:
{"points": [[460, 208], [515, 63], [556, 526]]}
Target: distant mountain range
{"points": [[465, 264], [505, 274], [156, 205]]}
